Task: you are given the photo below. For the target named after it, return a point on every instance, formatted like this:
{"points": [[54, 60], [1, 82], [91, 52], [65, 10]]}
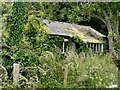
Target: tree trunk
{"points": [[110, 39], [117, 30]]}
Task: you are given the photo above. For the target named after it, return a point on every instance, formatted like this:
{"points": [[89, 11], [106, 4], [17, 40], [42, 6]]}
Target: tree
{"points": [[108, 13]]}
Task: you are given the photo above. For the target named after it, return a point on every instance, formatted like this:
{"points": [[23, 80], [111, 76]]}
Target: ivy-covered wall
{"points": [[80, 46]]}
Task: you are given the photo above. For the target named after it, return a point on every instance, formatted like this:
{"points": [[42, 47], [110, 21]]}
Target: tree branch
{"points": [[99, 17]]}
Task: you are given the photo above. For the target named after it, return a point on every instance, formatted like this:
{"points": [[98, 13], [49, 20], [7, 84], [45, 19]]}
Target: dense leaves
{"points": [[26, 41], [16, 24], [104, 17]]}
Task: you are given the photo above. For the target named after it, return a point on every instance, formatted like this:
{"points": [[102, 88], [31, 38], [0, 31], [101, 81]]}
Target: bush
{"points": [[84, 71]]}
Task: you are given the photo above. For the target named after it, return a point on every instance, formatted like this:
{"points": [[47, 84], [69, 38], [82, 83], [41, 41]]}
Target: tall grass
{"points": [[84, 71], [91, 71]]}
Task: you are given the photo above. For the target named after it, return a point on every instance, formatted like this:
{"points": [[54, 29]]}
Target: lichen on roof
{"points": [[86, 33]]}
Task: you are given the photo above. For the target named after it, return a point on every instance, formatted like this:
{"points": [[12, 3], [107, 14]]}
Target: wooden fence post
{"points": [[65, 77], [16, 72]]}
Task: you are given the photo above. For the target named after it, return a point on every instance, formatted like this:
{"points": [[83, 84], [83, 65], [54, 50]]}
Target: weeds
{"points": [[84, 71]]}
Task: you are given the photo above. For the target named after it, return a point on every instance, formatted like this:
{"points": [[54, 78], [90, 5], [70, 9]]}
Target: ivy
{"points": [[81, 45], [56, 41], [42, 61], [16, 23]]}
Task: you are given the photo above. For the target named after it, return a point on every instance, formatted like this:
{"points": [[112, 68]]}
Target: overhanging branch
{"points": [[99, 17]]}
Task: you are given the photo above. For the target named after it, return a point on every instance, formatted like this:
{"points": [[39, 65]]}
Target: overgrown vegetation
{"points": [[84, 71], [26, 41]]}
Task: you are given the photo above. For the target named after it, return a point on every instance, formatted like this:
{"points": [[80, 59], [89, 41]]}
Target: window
{"points": [[98, 47]]}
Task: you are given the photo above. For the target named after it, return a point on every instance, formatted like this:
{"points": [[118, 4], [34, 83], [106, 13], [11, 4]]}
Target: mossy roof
{"points": [[86, 33]]}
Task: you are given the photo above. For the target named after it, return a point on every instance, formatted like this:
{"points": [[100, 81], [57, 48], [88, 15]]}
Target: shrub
{"points": [[84, 71]]}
